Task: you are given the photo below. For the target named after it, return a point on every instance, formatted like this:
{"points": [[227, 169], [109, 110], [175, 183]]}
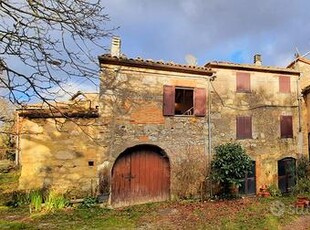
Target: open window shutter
{"points": [[286, 126], [284, 84], [200, 100], [169, 99]]}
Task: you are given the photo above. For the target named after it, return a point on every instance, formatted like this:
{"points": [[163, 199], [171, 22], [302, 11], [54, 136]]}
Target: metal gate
{"points": [[140, 174]]}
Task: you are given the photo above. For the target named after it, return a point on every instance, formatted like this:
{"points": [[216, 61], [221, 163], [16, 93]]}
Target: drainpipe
{"points": [[17, 138], [209, 129], [300, 134], [209, 119]]}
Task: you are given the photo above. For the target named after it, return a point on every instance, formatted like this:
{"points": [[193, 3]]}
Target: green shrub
{"points": [[36, 199], [55, 201], [303, 168], [19, 198], [274, 190], [302, 187], [229, 166], [89, 202]]}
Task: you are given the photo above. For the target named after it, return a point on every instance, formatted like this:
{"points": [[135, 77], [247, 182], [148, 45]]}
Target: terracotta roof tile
{"points": [[122, 60], [302, 59], [251, 67]]}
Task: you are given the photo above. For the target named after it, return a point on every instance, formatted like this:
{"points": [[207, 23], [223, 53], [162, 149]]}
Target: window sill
{"points": [[243, 91], [183, 115]]}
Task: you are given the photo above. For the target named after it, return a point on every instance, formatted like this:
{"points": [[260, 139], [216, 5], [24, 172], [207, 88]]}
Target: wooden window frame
{"points": [[243, 82], [240, 132], [193, 99], [284, 84], [199, 101], [284, 133]]}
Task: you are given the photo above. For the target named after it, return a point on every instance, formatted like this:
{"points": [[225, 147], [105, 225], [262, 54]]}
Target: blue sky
{"points": [[210, 30]]}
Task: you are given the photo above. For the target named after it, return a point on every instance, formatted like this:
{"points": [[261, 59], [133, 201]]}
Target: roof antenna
{"points": [[191, 60], [306, 54], [297, 54]]}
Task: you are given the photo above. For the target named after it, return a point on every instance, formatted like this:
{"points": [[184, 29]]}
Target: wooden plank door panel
{"points": [[121, 181], [140, 176]]}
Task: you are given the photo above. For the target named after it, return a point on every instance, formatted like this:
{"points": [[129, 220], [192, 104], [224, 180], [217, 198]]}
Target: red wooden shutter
{"points": [[243, 82], [244, 127], [286, 126], [284, 84], [200, 100], [169, 99]]}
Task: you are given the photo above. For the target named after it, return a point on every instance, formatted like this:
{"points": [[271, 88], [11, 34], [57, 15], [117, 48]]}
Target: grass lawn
{"points": [[247, 213]]}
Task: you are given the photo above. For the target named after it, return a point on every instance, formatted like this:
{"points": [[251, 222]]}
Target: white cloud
{"points": [[66, 91], [212, 29]]}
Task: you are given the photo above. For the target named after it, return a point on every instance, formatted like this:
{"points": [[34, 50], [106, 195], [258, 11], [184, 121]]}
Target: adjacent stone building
{"points": [[302, 64], [150, 132], [56, 145], [258, 106]]}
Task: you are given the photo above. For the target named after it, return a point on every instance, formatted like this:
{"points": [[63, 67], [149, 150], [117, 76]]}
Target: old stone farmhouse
{"points": [[149, 133]]}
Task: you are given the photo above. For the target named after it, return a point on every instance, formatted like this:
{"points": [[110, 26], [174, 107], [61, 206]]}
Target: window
{"points": [[243, 82], [184, 101], [284, 84], [286, 126], [244, 127]]}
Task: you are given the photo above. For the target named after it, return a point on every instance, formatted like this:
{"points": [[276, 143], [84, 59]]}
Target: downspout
{"points": [[299, 104], [210, 130], [300, 134], [17, 150]]}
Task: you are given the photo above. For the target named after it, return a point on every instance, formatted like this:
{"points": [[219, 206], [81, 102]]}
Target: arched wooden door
{"points": [[140, 174]]}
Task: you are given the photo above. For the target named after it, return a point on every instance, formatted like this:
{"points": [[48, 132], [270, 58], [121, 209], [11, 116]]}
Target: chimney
{"points": [[258, 59], [116, 46]]}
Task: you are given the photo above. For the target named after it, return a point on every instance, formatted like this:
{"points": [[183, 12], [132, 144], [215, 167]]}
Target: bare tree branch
{"points": [[45, 44]]}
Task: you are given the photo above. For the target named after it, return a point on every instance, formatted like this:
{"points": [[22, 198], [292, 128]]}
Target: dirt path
{"points": [[302, 223]]}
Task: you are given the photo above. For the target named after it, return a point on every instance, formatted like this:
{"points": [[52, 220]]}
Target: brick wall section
{"points": [[150, 113]]}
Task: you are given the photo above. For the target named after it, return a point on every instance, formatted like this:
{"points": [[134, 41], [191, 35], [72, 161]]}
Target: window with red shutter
{"points": [[286, 126], [184, 101], [243, 82], [284, 84], [244, 127]]}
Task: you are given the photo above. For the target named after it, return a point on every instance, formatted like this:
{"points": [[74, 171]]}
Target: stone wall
{"points": [[131, 103], [265, 104], [131, 113], [304, 68], [59, 155]]}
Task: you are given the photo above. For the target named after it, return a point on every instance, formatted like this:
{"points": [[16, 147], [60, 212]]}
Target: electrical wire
{"points": [[250, 108]]}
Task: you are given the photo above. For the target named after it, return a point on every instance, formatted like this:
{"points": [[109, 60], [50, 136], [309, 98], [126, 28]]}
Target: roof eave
{"points": [[155, 65], [252, 68], [302, 59]]}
